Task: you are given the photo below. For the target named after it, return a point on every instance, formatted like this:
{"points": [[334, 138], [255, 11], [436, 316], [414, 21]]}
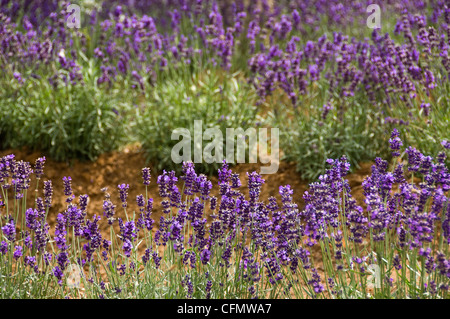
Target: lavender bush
{"points": [[237, 245]]}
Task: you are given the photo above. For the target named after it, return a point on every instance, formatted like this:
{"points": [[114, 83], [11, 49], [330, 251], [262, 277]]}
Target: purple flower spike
{"points": [[395, 143], [146, 175], [109, 210], [9, 230], [39, 167], [123, 190], [205, 255], [68, 188], [18, 252], [48, 192], [58, 274], [127, 247]]}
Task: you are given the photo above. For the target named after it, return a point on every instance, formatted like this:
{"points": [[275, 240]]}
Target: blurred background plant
{"points": [[64, 121], [216, 98], [298, 58]]}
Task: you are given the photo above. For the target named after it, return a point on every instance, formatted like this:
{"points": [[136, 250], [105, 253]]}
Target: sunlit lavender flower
{"points": [[156, 259], [146, 175], [397, 262], [175, 230], [123, 190], [254, 185], [57, 272], [63, 260], [146, 256], [186, 257], [67, 181], [224, 173], [60, 232], [108, 209], [92, 233], [205, 255], [127, 247], [21, 172], [140, 200], [74, 217], [189, 177], [27, 242], [208, 289], [213, 202], [414, 159], [39, 167], [48, 192], [273, 269], [193, 259], [432, 287], [175, 198], [9, 230], [395, 143], [315, 281], [18, 252], [190, 287], [122, 268], [235, 181], [83, 201], [40, 207], [47, 258]]}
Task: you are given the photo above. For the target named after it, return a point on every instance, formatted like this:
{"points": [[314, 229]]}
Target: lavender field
{"points": [[338, 84]]}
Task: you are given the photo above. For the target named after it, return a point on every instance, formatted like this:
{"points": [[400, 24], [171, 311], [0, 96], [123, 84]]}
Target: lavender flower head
{"points": [[146, 175], [39, 167], [9, 230], [18, 252], [48, 192], [67, 180], [395, 143], [123, 190]]}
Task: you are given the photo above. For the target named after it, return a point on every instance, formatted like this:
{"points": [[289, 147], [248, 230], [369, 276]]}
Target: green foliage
{"points": [[218, 100], [426, 132], [69, 121], [350, 129]]}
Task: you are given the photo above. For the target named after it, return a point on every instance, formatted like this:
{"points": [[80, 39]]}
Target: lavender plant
{"points": [[393, 245], [316, 56], [65, 122], [217, 99]]}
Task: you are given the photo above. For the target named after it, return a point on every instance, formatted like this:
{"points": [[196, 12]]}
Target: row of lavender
{"points": [[321, 62], [130, 45], [234, 245]]}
